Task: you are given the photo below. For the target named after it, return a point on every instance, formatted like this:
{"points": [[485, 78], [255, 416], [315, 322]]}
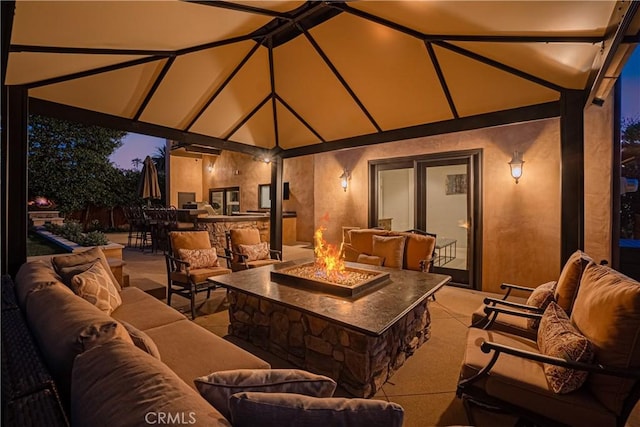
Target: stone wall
{"points": [[360, 363], [217, 231]]}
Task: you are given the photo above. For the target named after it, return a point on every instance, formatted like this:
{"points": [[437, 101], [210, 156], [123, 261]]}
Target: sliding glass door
{"points": [[438, 194]]}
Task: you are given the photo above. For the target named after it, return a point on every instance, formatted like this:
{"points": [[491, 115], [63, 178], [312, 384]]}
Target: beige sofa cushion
{"points": [[389, 248], [607, 312], [31, 275], [362, 240], [120, 385], [217, 387], [569, 280], [144, 311], [522, 382], [279, 409], [141, 340], [191, 351], [96, 286], [85, 257], [57, 318]]}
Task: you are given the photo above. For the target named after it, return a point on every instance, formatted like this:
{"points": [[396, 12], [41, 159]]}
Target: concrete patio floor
{"points": [[425, 385]]}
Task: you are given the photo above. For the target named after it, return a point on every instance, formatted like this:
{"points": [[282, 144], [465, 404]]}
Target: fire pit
{"points": [[328, 273], [351, 281]]}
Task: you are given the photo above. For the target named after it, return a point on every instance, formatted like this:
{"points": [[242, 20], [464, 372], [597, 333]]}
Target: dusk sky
{"points": [[140, 146]]}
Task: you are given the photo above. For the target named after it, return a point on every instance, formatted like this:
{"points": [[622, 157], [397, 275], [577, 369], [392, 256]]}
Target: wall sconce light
{"points": [[516, 165], [344, 179], [266, 159], [210, 167]]}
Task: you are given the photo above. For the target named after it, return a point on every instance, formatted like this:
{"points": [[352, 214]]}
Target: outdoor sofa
{"points": [[68, 358]]}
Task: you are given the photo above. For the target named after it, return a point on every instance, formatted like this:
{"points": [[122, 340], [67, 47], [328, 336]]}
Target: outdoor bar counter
{"points": [[218, 225]]}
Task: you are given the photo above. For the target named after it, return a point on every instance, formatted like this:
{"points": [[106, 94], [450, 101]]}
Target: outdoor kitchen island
{"points": [[359, 341]]}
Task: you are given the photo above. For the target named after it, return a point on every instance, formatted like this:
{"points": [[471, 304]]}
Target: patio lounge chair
{"points": [[582, 370]]}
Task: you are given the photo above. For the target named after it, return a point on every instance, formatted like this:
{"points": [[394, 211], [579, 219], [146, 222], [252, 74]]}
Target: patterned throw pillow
{"points": [[255, 252], [199, 258], [557, 337], [217, 387], [541, 297], [96, 286]]}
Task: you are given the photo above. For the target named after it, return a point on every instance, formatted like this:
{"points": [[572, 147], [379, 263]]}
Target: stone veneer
{"points": [[218, 229], [359, 362]]}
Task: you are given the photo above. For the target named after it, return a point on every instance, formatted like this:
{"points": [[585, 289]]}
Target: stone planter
{"points": [[111, 250]]}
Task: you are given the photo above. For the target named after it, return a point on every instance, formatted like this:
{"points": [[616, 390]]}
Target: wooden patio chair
{"points": [[245, 250]]}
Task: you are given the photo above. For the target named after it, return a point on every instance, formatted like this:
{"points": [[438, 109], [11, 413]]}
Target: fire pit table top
{"points": [[371, 312]]}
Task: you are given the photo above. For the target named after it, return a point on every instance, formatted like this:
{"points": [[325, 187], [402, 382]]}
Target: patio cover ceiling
{"points": [[298, 77]]}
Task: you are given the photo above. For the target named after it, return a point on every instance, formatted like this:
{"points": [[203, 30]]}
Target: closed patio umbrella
{"points": [[148, 187]]}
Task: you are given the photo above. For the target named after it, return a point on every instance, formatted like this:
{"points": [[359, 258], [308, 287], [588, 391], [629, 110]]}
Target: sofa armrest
{"points": [[492, 313]]}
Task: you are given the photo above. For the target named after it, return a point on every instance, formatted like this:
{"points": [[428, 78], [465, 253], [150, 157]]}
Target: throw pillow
{"points": [[255, 252], [216, 388], [540, 298], [68, 273], [199, 258], [95, 286], [557, 337], [389, 248], [370, 259], [84, 258], [141, 340], [288, 409], [569, 280]]}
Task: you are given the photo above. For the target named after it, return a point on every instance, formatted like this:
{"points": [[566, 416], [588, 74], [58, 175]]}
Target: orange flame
{"points": [[327, 256]]}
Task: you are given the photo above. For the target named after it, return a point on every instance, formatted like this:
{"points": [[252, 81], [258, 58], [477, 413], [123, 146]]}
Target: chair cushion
{"points": [[96, 286], [290, 409], [262, 262], [243, 236], [217, 387], [418, 247], [85, 257], [607, 312], [522, 382], [569, 280], [362, 240], [31, 275], [557, 337], [390, 248], [255, 252], [370, 259], [121, 385], [198, 275], [346, 233], [199, 258], [540, 297], [189, 240], [141, 340]]}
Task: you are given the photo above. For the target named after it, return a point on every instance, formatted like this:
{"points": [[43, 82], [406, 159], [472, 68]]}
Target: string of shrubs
{"points": [[72, 230]]}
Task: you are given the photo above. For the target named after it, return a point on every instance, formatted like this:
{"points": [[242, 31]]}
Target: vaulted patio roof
{"points": [[299, 77]]}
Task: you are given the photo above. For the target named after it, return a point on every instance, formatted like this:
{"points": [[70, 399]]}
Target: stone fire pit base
{"points": [[359, 362]]}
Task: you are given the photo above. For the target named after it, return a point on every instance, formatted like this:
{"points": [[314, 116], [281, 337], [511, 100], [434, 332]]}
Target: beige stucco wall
{"points": [[597, 181], [521, 223], [186, 174]]}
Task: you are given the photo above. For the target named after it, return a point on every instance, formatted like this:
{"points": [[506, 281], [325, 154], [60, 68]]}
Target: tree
{"points": [[69, 162], [630, 168], [136, 163]]}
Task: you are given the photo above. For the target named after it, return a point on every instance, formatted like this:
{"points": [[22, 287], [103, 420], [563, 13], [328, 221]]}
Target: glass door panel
{"points": [[396, 206]]}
